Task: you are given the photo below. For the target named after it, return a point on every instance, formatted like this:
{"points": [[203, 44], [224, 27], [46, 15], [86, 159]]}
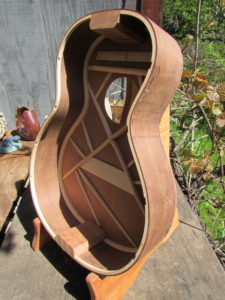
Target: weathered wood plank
{"points": [[30, 35], [153, 9], [184, 268], [14, 171]]}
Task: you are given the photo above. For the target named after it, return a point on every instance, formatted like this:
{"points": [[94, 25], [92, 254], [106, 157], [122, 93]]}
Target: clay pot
{"points": [[27, 123]]}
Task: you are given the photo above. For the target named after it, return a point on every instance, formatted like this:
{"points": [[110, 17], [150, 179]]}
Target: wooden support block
{"points": [[109, 24], [81, 238], [115, 287], [41, 236]]}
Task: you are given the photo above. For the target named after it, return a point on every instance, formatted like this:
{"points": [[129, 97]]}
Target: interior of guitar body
{"points": [[90, 195]]}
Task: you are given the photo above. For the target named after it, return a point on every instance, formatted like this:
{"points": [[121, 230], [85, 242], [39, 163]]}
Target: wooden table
{"points": [[184, 268], [14, 168]]}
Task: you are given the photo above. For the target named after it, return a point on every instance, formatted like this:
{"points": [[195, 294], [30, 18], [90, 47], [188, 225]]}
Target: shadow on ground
{"points": [[9, 243], [66, 266]]}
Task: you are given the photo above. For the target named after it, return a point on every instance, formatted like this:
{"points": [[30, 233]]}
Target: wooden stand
{"points": [[41, 236], [108, 287]]}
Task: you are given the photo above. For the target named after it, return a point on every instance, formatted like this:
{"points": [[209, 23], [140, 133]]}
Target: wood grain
{"points": [[115, 287], [185, 267], [110, 69], [109, 24], [81, 238], [123, 56], [14, 172], [41, 236], [30, 34], [99, 171], [153, 10]]}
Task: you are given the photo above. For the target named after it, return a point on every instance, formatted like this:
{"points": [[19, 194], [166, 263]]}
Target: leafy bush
{"points": [[197, 148], [198, 110]]}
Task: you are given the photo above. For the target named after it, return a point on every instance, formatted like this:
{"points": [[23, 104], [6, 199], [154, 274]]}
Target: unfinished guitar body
{"points": [[104, 190]]}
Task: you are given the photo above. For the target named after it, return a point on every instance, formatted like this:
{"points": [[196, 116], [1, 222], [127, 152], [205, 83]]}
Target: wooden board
{"points": [[184, 268], [14, 171], [46, 33], [115, 287], [30, 34]]}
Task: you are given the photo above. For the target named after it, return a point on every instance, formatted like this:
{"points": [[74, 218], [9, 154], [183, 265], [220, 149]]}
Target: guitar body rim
{"points": [[57, 205]]}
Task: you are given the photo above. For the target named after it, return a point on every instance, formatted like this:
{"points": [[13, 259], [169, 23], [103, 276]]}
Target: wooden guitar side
{"points": [[104, 190]]}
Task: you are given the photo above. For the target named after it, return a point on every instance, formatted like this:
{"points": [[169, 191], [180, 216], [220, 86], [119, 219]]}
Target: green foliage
{"points": [[198, 110], [180, 18], [215, 197], [211, 59], [180, 22], [212, 217]]}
